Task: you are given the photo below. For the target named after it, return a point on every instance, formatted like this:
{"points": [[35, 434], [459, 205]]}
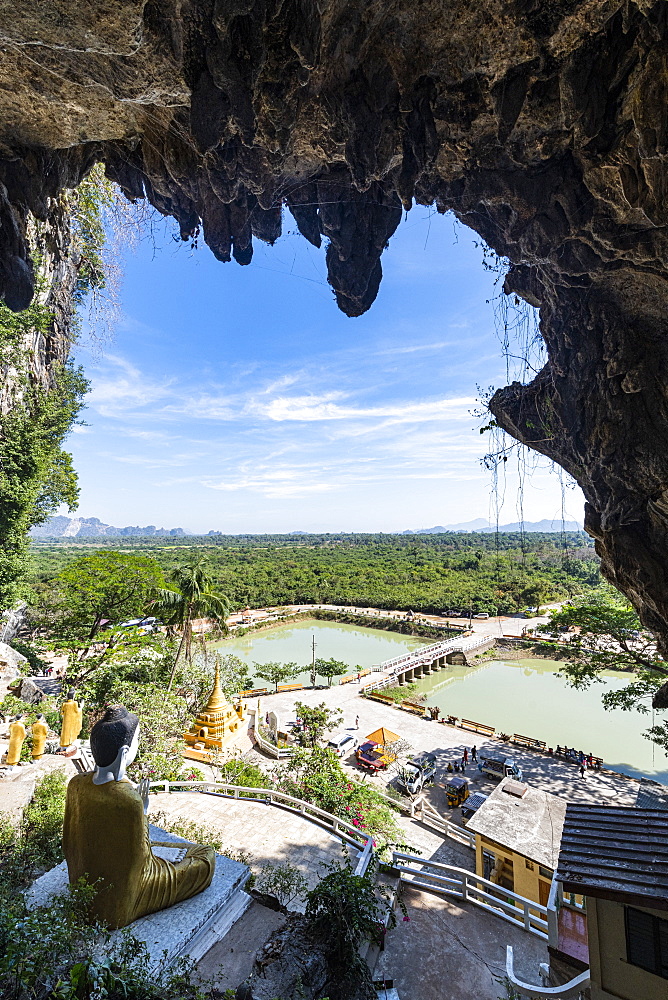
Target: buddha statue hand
{"points": [[143, 789]]}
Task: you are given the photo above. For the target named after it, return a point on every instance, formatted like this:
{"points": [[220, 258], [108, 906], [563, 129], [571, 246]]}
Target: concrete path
{"points": [[450, 952], [268, 833], [448, 742]]}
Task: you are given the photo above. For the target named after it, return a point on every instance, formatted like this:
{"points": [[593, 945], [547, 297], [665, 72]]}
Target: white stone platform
{"points": [[186, 930]]}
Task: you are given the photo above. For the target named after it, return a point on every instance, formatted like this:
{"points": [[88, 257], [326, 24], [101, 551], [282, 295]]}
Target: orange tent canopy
{"points": [[383, 736]]}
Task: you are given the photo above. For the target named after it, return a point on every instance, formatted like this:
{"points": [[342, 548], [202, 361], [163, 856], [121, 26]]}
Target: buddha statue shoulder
{"points": [[106, 835]]}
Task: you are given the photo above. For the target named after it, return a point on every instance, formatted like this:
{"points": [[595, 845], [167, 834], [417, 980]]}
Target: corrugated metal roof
{"points": [[652, 795], [615, 851]]}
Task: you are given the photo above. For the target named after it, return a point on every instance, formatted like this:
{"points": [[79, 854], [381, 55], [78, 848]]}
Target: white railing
{"points": [[447, 880], [422, 657], [573, 988], [339, 827], [430, 817]]}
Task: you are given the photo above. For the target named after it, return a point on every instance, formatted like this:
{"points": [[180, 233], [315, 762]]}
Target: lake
{"points": [[527, 697], [350, 643], [514, 696]]}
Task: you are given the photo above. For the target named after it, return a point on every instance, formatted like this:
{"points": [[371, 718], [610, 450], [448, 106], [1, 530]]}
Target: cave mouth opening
{"points": [[261, 406]]}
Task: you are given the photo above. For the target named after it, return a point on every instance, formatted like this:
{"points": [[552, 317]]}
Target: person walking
{"points": [[474, 753], [357, 722], [466, 756], [582, 770]]}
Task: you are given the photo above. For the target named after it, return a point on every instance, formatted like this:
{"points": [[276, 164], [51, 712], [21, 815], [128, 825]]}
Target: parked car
{"points": [[372, 755], [342, 744], [499, 767], [482, 614], [417, 773]]}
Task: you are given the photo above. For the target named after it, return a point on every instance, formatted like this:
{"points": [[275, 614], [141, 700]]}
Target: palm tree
{"points": [[193, 596]]}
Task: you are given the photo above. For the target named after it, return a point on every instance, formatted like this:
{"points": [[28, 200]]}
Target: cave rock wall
{"points": [[541, 123]]}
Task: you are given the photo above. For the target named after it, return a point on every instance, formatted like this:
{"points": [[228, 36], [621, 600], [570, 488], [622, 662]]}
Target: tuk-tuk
{"points": [[472, 805], [457, 791]]}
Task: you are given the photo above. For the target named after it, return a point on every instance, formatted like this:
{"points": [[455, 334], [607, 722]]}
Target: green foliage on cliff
{"points": [[36, 474]]}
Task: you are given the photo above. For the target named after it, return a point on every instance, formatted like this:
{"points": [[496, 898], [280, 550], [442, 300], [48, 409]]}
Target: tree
{"points": [[349, 909], [330, 668], [610, 636], [193, 596], [315, 722], [105, 587], [276, 673]]}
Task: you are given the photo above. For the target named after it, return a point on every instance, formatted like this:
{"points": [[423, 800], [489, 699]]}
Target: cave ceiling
{"points": [[541, 124]]}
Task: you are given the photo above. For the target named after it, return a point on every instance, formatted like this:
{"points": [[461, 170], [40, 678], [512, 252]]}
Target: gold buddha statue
{"points": [[40, 731], [216, 724], [71, 712], [17, 735], [106, 835]]}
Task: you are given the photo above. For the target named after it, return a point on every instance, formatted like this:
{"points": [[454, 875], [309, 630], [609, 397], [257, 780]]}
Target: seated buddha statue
{"points": [[106, 834]]}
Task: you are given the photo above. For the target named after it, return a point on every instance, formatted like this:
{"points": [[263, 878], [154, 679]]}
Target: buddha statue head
{"points": [[70, 694], [114, 740]]}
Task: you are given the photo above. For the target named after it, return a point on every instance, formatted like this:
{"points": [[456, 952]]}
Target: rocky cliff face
{"points": [[541, 123]]}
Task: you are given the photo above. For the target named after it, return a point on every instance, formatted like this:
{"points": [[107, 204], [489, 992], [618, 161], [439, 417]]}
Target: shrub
{"points": [[284, 881]]}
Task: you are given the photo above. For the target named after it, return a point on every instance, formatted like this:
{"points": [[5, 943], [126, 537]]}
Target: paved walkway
{"points": [[268, 833], [446, 950]]}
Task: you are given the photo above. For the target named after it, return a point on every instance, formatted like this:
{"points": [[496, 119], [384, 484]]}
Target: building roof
{"points": [[652, 795], [530, 825], [616, 852]]}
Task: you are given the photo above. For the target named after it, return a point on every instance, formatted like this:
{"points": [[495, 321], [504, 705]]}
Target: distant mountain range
{"points": [[482, 525], [92, 527]]}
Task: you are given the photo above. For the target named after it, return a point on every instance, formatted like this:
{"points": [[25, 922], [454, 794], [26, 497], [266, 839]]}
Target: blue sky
{"points": [[240, 399]]}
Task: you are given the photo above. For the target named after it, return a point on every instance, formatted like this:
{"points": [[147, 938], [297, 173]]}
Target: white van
{"points": [[342, 744]]}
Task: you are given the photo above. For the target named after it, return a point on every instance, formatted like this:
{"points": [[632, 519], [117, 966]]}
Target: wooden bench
{"points": [[530, 744], [290, 687], [409, 706], [255, 693], [568, 759], [384, 698], [477, 727]]}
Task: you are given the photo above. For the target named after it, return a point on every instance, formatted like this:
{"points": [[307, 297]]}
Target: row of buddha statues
{"points": [[71, 713]]}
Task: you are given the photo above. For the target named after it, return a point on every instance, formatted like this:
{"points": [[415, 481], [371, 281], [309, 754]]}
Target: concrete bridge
{"points": [[426, 659]]}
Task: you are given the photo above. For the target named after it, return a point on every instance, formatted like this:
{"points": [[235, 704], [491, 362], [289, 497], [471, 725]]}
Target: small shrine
{"points": [[215, 727]]}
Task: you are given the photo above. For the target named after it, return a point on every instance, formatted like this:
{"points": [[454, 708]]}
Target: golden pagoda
{"points": [[215, 727]]}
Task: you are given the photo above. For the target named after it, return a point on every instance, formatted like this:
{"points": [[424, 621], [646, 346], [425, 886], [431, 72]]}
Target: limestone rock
{"points": [[540, 123]]}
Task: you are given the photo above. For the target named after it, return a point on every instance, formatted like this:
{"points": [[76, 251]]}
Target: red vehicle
{"points": [[372, 755]]}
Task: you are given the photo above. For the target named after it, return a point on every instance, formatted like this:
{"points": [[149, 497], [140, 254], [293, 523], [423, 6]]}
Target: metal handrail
{"points": [[448, 880], [340, 827], [573, 988]]}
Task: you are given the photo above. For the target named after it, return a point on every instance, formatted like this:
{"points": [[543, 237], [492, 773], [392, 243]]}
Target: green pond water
{"points": [[514, 696], [527, 697], [350, 643]]}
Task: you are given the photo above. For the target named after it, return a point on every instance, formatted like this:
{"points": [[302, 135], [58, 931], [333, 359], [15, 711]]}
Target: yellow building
{"points": [[518, 833], [215, 727], [617, 858]]}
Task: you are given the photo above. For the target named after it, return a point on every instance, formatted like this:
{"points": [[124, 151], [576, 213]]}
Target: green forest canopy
{"points": [[423, 572]]}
